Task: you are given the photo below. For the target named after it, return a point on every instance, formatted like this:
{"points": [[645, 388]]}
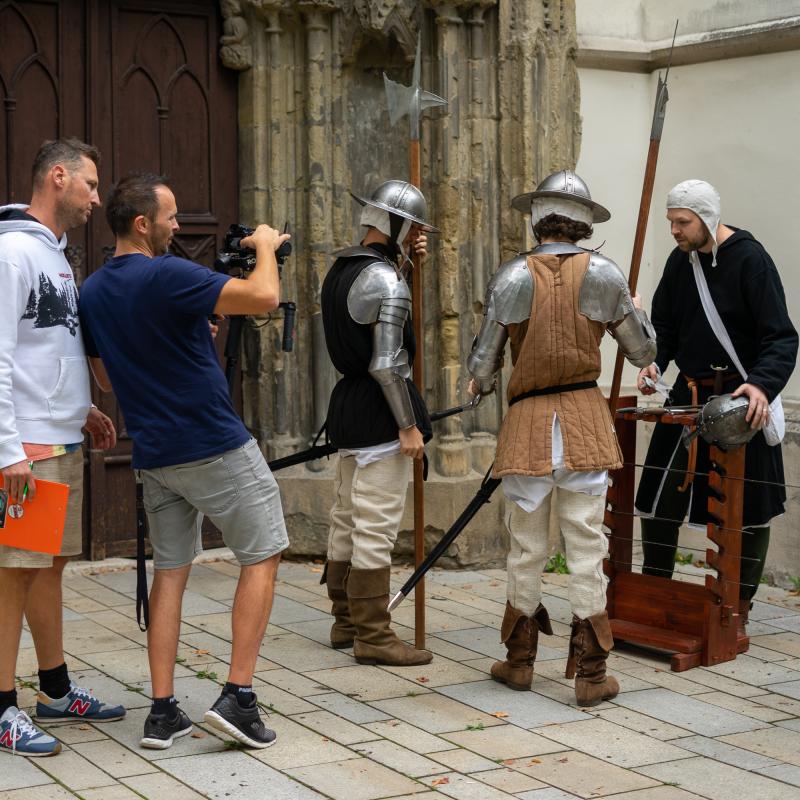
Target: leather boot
{"points": [[342, 631], [742, 639], [589, 645], [520, 634], [375, 641]]}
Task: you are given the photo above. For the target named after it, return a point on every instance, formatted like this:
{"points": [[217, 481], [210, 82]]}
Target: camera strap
{"points": [[142, 601]]}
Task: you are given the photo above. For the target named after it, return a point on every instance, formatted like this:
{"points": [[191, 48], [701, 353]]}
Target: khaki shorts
{"points": [[235, 490], [60, 469]]}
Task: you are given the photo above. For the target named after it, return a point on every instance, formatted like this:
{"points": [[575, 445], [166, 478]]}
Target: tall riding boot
{"points": [[589, 645], [742, 639], [342, 631], [520, 634], [375, 641]]}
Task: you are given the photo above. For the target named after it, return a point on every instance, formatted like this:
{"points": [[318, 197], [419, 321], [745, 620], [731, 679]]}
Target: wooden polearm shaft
{"points": [[636, 257], [418, 373], [662, 95]]}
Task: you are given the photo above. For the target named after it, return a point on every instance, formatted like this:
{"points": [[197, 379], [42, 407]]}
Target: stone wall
{"points": [[313, 125]]}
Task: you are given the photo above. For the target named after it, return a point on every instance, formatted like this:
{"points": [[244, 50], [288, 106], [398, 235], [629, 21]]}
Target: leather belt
{"points": [[564, 387]]}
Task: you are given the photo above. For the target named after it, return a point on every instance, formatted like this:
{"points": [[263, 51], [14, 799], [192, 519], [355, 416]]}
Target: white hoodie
{"points": [[44, 378]]}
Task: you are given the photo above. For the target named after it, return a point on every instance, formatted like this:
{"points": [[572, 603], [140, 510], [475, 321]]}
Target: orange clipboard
{"points": [[36, 524]]}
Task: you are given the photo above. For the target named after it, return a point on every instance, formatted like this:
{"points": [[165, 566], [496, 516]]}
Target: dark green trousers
{"points": [[660, 535]]}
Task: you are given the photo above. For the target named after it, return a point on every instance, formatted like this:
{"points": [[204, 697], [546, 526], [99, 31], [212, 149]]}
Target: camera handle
{"points": [[289, 311]]}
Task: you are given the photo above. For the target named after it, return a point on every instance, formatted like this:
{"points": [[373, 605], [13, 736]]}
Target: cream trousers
{"points": [[580, 517], [366, 515]]}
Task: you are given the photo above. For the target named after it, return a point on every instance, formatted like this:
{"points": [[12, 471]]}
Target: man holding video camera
{"points": [[145, 321]]}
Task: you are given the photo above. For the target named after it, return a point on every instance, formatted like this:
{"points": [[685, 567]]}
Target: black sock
{"points": [[7, 699], [244, 694], [54, 682], [165, 705]]}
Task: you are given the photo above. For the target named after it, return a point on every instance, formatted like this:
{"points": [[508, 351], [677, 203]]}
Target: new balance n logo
{"points": [[79, 706], [7, 740]]}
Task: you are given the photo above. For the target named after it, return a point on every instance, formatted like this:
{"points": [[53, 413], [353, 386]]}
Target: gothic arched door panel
{"points": [[161, 102]]}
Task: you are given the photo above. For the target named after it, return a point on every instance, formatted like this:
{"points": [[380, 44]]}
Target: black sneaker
{"points": [[160, 730], [242, 722]]}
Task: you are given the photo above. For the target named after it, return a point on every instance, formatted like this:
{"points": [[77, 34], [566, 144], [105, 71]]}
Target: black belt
{"points": [[564, 387]]}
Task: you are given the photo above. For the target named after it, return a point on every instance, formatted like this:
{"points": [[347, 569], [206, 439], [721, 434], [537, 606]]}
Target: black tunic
{"points": [[749, 297], [358, 414]]}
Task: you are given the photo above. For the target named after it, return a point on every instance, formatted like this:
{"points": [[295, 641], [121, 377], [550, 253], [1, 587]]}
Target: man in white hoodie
{"points": [[44, 406]]}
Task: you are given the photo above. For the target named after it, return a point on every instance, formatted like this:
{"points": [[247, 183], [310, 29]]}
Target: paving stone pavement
{"points": [[352, 732]]}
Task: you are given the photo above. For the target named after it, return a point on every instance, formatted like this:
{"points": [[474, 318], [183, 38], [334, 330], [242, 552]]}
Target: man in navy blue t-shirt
{"points": [[144, 316]]}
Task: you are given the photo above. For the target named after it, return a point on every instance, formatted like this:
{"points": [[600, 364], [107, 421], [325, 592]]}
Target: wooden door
{"points": [[161, 102], [141, 80]]}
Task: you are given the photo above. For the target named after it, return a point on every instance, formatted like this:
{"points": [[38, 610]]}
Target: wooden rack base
{"points": [[697, 623]]}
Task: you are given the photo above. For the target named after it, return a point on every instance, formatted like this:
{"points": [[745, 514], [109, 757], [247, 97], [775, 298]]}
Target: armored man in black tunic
{"points": [[376, 418], [746, 289]]}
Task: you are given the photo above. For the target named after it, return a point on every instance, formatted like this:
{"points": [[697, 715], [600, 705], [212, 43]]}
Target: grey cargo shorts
{"points": [[235, 490]]}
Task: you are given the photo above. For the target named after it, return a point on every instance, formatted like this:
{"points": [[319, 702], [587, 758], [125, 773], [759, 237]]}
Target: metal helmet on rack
{"points": [[722, 421], [400, 199], [563, 193]]}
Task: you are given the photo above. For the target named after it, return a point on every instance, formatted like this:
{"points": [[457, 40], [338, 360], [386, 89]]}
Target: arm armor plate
{"points": [[509, 295], [487, 351], [604, 296], [379, 296], [636, 338], [509, 298]]}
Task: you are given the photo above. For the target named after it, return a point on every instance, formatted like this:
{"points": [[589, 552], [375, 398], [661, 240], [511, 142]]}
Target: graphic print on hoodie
{"points": [[44, 377]]}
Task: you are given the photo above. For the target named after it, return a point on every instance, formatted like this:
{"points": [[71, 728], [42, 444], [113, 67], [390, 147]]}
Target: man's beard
{"points": [[71, 216]]}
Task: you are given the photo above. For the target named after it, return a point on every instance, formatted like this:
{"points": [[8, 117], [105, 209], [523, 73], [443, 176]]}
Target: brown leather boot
{"points": [[589, 645], [742, 639], [342, 631], [376, 642], [520, 634]]}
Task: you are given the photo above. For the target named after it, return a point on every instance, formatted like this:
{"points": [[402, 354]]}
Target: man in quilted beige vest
{"points": [[554, 304]]}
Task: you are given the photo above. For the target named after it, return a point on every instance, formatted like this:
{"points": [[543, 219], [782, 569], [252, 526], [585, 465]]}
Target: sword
{"points": [[323, 450], [482, 496]]}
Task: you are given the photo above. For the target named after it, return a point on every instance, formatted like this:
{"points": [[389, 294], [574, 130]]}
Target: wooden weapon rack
{"points": [[697, 623]]}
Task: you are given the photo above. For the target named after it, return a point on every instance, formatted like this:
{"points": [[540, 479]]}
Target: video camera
{"points": [[239, 261]]}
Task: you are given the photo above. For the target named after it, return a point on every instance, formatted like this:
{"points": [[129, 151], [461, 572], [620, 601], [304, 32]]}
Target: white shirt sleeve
{"points": [[13, 300]]}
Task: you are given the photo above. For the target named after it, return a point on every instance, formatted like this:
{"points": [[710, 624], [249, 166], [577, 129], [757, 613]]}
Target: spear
{"points": [[662, 95], [411, 101]]}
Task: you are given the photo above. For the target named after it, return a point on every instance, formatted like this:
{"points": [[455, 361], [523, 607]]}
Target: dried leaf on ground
{"points": [[440, 781], [500, 714]]}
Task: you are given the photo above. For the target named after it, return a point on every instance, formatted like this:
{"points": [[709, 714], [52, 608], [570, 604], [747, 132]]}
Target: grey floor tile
{"points": [[727, 753], [790, 689], [788, 773], [220, 776], [526, 709], [347, 707], [18, 773], [686, 712], [718, 781], [754, 671]]}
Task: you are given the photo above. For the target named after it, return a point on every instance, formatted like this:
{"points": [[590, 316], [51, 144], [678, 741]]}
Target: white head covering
{"points": [[542, 207], [703, 199], [373, 217]]}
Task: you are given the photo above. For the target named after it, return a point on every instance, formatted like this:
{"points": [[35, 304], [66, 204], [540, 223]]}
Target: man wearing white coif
{"points": [[554, 304], [743, 285]]}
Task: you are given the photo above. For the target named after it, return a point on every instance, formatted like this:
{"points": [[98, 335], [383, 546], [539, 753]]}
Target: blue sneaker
{"points": [[18, 735], [76, 704]]}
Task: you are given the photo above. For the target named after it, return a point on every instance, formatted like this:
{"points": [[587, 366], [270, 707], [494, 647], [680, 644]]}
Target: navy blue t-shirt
{"points": [[147, 318]]}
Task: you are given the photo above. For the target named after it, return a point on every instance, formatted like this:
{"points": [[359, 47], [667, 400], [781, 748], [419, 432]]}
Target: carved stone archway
{"points": [[311, 126]]}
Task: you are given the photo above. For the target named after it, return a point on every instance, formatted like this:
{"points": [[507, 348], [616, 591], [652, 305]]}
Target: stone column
{"points": [[485, 207], [450, 133], [318, 93]]}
